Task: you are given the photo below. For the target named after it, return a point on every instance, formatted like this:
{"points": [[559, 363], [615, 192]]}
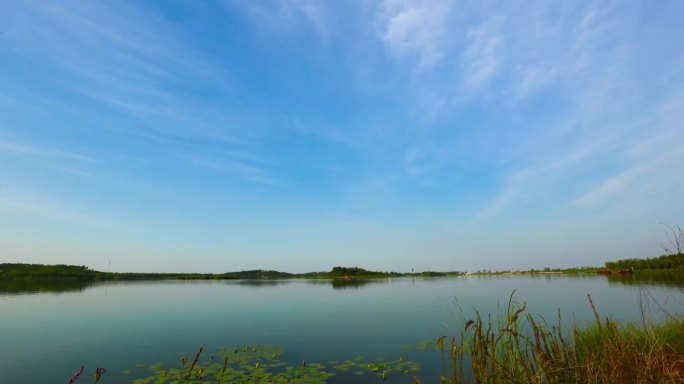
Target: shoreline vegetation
{"points": [[516, 346], [671, 262], [520, 347], [35, 278], [61, 271]]}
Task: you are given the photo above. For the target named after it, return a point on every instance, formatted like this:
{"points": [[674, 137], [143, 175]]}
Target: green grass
{"points": [[522, 348]]}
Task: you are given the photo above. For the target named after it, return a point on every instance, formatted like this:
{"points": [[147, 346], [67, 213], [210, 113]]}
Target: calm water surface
{"points": [[46, 336]]}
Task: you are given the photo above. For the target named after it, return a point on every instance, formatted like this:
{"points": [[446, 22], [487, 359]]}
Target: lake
{"points": [[48, 332]]}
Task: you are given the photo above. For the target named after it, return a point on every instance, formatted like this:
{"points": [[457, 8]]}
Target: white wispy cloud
{"points": [[415, 28], [62, 160], [233, 167], [566, 50], [73, 171], [645, 154], [27, 204], [313, 12], [610, 188], [642, 190], [287, 15], [533, 79], [648, 182], [122, 42], [481, 59], [125, 57], [515, 53], [582, 55], [37, 151]]}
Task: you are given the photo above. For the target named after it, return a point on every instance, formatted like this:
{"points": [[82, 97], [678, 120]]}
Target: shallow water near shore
{"points": [[47, 334]]}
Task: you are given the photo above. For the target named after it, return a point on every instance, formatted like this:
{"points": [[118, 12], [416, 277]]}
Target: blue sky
{"points": [[298, 135]]}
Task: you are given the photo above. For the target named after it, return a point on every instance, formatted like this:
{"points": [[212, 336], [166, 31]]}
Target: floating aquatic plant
{"points": [[261, 364], [244, 364], [423, 345], [379, 367]]}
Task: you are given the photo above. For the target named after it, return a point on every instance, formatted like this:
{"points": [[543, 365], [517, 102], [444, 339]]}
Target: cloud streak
{"points": [[122, 56], [481, 58], [413, 115], [415, 28], [40, 152], [287, 15], [46, 209], [234, 168]]}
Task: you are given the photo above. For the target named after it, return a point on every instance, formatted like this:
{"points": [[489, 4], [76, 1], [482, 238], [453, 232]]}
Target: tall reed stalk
{"points": [[523, 348]]}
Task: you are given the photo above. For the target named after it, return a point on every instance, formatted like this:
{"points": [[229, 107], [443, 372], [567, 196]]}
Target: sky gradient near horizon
{"points": [[298, 135]]}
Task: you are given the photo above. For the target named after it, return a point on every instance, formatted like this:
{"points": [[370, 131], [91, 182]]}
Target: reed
{"points": [[522, 348], [194, 362], [513, 347]]}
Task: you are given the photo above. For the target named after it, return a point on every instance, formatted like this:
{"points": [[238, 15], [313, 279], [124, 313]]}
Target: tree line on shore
{"points": [[662, 262], [61, 271]]}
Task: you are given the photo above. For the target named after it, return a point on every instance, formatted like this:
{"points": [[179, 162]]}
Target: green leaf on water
{"points": [[425, 344], [261, 364]]}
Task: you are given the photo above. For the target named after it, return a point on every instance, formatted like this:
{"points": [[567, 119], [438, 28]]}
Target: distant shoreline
{"points": [[11, 271]]}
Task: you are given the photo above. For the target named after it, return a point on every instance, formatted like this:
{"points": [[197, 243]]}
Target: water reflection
{"points": [[665, 278], [259, 282], [59, 285], [120, 324], [18, 286], [355, 283], [27, 286], [335, 283], [346, 283]]}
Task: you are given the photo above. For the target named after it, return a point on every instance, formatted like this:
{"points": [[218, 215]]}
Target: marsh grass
{"points": [[520, 347]]}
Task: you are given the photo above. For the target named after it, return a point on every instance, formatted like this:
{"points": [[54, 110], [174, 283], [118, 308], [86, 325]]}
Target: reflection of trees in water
{"points": [[40, 285], [667, 278], [346, 283], [259, 283], [20, 286], [354, 283]]}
